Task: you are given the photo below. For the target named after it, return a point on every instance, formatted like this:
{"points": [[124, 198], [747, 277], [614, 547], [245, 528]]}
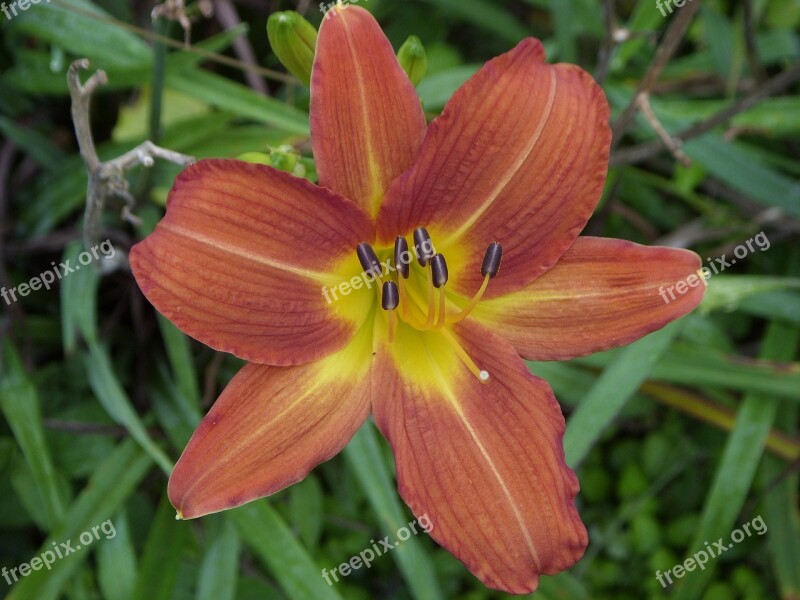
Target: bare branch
{"points": [[666, 49], [228, 17], [674, 145], [607, 49], [649, 149], [106, 179]]}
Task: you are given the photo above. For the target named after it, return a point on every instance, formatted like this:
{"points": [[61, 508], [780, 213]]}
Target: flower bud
{"points": [[256, 157], [413, 59], [293, 40]]}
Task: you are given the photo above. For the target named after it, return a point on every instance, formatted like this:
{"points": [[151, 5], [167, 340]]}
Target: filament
{"points": [[460, 316], [481, 374]]}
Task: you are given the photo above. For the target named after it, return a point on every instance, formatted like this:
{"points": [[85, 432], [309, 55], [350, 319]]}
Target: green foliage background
{"points": [[677, 439]]}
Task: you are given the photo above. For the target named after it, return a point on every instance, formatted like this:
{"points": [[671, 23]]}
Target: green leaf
{"points": [[238, 99], [36, 145], [78, 299], [268, 536], [116, 562], [736, 470], [693, 366], [220, 567], [613, 389], [110, 485], [435, 90], [365, 458], [162, 554], [112, 397], [745, 171], [180, 359], [779, 509], [485, 15], [783, 306], [728, 292], [82, 29], [20, 404], [306, 510]]}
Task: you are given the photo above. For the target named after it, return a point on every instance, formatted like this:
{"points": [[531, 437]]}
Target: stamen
{"points": [[439, 270], [420, 313], [481, 374], [390, 298], [440, 321], [368, 259], [489, 269], [410, 311], [440, 275], [402, 257], [392, 326], [390, 295], [431, 304], [458, 317], [423, 246], [491, 260]]}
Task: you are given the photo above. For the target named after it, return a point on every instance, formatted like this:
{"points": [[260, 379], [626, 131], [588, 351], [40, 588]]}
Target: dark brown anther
{"points": [[439, 270], [491, 260], [402, 257], [390, 295], [368, 259], [423, 246]]}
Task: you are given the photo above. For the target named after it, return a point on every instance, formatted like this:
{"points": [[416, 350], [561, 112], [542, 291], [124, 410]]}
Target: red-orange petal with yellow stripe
{"points": [[240, 260], [519, 155], [270, 427], [601, 294], [484, 462], [367, 122]]}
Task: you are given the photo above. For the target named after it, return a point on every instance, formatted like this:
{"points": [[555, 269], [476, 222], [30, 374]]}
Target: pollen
{"points": [[424, 306]]}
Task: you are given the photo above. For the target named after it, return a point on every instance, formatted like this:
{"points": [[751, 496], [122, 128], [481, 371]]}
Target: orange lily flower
{"points": [[271, 268]]}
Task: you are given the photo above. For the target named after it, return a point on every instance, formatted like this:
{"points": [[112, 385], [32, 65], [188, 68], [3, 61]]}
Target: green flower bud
{"points": [[256, 157], [284, 158], [293, 40], [413, 59]]}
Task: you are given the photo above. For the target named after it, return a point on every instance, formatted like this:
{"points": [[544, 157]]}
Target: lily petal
{"points": [[484, 462], [519, 155], [603, 293], [240, 259], [367, 121], [270, 427]]}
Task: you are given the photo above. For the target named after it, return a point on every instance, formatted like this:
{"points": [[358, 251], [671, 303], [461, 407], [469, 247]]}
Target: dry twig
{"points": [[106, 179], [666, 49], [647, 150]]}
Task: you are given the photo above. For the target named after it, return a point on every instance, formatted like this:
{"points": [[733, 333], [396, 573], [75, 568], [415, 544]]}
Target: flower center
{"points": [[421, 302]]}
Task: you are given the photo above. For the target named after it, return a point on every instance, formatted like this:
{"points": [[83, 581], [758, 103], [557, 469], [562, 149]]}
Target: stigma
{"points": [[421, 302]]}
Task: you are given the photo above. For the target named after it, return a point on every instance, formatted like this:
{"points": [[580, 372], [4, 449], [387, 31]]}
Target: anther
{"points": [[401, 256], [390, 295], [423, 246], [439, 270], [368, 259], [491, 260]]}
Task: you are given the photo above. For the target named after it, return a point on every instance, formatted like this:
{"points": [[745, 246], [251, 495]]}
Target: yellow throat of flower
{"points": [[414, 295]]}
